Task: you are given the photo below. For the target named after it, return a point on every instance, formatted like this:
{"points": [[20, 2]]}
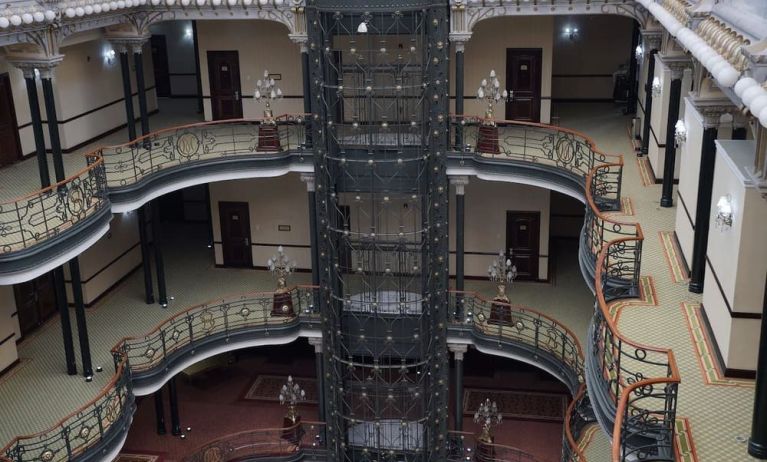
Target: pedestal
{"points": [[500, 313], [487, 139], [268, 138], [282, 305], [485, 451], [293, 430]]}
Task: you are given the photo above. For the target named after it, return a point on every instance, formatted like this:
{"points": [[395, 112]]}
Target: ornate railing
{"points": [[465, 447], [49, 212], [129, 163], [222, 317], [304, 438], [579, 415], [504, 322], [81, 430]]}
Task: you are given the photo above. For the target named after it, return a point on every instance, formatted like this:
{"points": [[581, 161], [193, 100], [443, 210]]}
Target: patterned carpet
{"points": [[138, 457], [526, 405]]}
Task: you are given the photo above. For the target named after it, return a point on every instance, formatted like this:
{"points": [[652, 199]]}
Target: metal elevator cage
{"points": [[379, 116]]}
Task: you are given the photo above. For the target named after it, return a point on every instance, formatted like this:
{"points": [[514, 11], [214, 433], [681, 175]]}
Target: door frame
{"points": [[538, 81], [249, 259], [534, 213], [213, 110], [14, 121], [153, 40]]}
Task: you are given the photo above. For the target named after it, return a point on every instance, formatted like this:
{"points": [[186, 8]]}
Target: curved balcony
{"points": [[578, 416]]}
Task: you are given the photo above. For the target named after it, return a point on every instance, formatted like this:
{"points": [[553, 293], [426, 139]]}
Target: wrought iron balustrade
{"points": [[129, 163], [304, 438], [465, 447], [577, 417], [521, 325], [81, 430], [222, 317], [44, 214]]}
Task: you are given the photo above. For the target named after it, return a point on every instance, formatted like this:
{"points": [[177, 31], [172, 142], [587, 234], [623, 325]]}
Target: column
{"points": [[703, 203], [308, 178], [37, 126], [82, 325], [458, 352], [460, 183], [159, 412], [46, 74], [145, 257], [140, 86], [130, 117], [60, 292], [175, 421], [648, 102], [317, 343], [631, 104], [675, 94], [459, 83], [307, 98], [162, 292], [757, 444]]}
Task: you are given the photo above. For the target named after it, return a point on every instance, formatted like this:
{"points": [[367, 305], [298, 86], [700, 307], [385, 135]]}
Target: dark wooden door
{"points": [[10, 147], [224, 76], [523, 238], [235, 233], [523, 80], [160, 63], [35, 303]]}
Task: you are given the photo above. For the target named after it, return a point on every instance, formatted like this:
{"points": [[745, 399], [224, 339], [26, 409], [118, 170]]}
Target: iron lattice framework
{"points": [[379, 121]]}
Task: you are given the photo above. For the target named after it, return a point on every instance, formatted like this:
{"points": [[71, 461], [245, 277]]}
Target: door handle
{"points": [[236, 95]]}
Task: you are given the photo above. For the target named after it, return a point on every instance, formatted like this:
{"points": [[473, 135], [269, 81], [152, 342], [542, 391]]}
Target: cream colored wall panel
{"points": [[752, 261], [718, 315], [744, 346], [658, 118], [685, 234], [9, 326]]}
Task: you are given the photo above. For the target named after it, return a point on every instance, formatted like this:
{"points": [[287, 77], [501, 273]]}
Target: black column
{"points": [[739, 133], [757, 444], [667, 196], [703, 210], [307, 95], [53, 128], [459, 240], [631, 104], [145, 257], [159, 412], [200, 105], [175, 421], [60, 291], [648, 103], [313, 237], [37, 129], [458, 414], [130, 117], [158, 261], [141, 89], [320, 383], [459, 97], [82, 325]]}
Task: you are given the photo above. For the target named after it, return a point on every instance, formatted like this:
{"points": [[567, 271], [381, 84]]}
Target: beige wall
{"points": [[181, 63], [486, 50], [9, 328], [688, 179], [602, 45], [262, 45]]}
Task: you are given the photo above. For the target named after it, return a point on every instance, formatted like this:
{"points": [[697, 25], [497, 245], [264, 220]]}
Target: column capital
{"points": [[677, 65], [308, 178], [651, 39], [128, 44], [712, 110], [301, 40], [316, 342], [459, 39], [460, 183], [458, 349], [30, 58]]}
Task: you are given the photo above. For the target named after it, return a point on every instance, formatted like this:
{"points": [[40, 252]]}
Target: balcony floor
{"points": [[37, 393]]}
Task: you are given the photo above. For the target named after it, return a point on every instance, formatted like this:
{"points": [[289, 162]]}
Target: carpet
{"points": [[526, 405], [267, 388], [138, 457]]}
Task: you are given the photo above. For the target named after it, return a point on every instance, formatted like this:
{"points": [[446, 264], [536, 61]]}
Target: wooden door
{"points": [[523, 81], [35, 302], [235, 233], [10, 147], [224, 77], [161, 67], [523, 238]]}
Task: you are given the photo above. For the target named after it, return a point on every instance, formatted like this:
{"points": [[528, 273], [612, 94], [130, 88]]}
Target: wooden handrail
{"points": [[54, 186], [574, 447], [278, 430]]}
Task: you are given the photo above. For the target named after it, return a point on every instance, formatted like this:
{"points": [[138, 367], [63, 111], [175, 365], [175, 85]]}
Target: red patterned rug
{"points": [[267, 388], [523, 405]]}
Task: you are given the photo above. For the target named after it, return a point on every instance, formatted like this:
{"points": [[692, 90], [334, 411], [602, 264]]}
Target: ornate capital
{"points": [[301, 40], [128, 44], [308, 178], [28, 65], [460, 183], [712, 110], [316, 342], [651, 40], [459, 39], [458, 349], [677, 65]]}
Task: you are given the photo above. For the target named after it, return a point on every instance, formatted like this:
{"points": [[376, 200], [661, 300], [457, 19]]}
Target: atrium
{"points": [[383, 230]]}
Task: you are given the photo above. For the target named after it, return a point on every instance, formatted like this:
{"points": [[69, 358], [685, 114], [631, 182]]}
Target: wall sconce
{"points": [[109, 56], [639, 52], [656, 87], [680, 133], [571, 32], [188, 33], [724, 213]]}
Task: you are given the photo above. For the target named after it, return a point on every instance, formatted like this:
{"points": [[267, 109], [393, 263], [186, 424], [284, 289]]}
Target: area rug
{"points": [[267, 388], [138, 457], [525, 405]]}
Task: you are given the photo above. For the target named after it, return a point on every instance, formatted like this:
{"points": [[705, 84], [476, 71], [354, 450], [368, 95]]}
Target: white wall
{"points": [[689, 158], [262, 45], [9, 328], [181, 63]]}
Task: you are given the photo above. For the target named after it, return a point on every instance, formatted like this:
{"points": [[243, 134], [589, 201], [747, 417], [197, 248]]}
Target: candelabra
{"points": [[502, 271], [487, 415], [281, 266], [292, 394], [490, 91], [266, 92]]}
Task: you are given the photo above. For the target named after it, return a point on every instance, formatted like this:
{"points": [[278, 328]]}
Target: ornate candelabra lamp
{"points": [[488, 416], [292, 394], [267, 92], [281, 266], [490, 92], [503, 272]]}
